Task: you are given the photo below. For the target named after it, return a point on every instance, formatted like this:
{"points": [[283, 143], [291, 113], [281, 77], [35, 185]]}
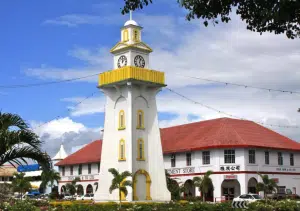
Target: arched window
{"points": [[136, 35], [140, 119], [121, 120], [140, 149], [125, 35], [122, 150]]}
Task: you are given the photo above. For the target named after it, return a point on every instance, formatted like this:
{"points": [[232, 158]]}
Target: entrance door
{"points": [[228, 193]]}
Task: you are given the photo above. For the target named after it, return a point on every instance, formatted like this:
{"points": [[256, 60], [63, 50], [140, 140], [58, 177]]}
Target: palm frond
{"points": [[124, 190], [8, 120], [112, 188], [126, 174], [114, 172], [127, 183]]}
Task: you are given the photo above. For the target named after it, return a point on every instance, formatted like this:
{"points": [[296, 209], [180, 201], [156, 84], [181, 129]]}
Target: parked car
{"points": [[68, 197], [248, 197], [78, 197], [88, 196]]}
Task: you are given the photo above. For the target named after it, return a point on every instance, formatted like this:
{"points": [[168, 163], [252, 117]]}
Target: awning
{"points": [[33, 173]]}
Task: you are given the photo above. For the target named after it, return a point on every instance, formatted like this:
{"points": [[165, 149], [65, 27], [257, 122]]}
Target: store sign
{"points": [[84, 177], [181, 170], [230, 168], [230, 177], [286, 169], [276, 180]]}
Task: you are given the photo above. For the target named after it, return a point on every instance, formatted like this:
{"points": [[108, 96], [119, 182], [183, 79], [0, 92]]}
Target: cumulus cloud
{"points": [[66, 131]]}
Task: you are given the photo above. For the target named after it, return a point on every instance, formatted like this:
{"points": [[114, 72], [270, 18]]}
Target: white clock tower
{"points": [[131, 140]]}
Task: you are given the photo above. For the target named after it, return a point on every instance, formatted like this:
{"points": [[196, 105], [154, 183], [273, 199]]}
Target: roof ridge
{"points": [[244, 142]]}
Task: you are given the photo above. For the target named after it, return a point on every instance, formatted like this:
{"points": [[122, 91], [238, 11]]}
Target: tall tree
{"points": [[267, 185], [21, 183], [204, 183], [259, 15], [19, 143], [172, 186], [49, 177], [71, 187], [119, 182]]}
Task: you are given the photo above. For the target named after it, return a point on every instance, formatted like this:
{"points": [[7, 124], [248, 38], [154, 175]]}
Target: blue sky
{"points": [[43, 42]]}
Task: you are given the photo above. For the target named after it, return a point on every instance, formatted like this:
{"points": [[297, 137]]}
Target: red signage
{"points": [[230, 177], [275, 180]]}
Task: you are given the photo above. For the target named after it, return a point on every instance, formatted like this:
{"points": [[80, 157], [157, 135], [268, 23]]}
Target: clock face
{"points": [[139, 61], [122, 61]]}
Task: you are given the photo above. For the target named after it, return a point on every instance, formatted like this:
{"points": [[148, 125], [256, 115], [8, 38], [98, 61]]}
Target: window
{"points": [[140, 150], [252, 156], [125, 35], [121, 120], [229, 156], [71, 170], [136, 35], [292, 159], [98, 167], [280, 159], [267, 158], [188, 159], [205, 157], [122, 150], [63, 171], [80, 169], [140, 119], [173, 160], [89, 168]]}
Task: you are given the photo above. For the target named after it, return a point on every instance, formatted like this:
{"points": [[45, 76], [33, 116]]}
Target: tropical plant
{"points": [[204, 183], [19, 143], [267, 185], [259, 15], [49, 177], [21, 183], [119, 182], [71, 187], [173, 186]]}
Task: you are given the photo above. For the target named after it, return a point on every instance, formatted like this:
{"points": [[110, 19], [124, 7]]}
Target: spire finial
{"points": [[130, 14]]}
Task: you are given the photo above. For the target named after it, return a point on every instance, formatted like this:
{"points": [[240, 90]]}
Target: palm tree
{"points": [[204, 183], [20, 183], [119, 182], [49, 176], [71, 187], [173, 186], [19, 143], [267, 185]]}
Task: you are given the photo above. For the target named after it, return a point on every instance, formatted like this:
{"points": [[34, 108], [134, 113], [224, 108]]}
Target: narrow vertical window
{"points": [[71, 170], [125, 35], [251, 156], [173, 160], [229, 156], [121, 120], [140, 119], [280, 159], [292, 159], [63, 171], [122, 150], [205, 157], [267, 158], [98, 167], [136, 35], [188, 159], [140, 150], [80, 169], [89, 168]]}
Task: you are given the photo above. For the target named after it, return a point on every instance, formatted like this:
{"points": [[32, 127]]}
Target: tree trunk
{"points": [[120, 197], [203, 197]]}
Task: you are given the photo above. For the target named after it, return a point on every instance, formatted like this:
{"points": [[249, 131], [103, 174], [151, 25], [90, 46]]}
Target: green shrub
{"points": [[23, 206]]}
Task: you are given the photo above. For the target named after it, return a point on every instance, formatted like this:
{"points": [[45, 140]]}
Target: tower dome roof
{"points": [[131, 22]]}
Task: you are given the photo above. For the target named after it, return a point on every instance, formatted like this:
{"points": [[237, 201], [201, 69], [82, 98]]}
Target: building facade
{"points": [[235, 150]]}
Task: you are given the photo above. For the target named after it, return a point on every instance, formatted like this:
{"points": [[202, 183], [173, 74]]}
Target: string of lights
{"points": [[13, 86], [240, 85], [68, 110], [227, 114]]}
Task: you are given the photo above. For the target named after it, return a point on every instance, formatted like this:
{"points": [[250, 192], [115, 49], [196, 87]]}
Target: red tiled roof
{"points": [[222, 133], [216, 133], [90, 153]]}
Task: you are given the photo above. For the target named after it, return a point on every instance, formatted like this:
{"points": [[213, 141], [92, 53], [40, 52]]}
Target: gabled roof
{"points": [[123, 46], [91, 153], [216, 133], [223, 133], [61, 154]]}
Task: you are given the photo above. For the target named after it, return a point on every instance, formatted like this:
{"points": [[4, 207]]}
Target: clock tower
{"points": [[131, 139]]}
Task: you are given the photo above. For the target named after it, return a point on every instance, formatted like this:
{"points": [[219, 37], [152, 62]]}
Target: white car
{"points": [[79, 197], [68, 197], [88, 196], [250, 197]]}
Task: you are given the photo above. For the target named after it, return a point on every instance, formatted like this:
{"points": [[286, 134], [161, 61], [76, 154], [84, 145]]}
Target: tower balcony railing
{"points": [[131, 73]]}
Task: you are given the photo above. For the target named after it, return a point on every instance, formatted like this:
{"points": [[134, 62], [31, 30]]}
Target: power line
{"points": [[43, 84], [69, 110], [241, 85], [227, 114]]}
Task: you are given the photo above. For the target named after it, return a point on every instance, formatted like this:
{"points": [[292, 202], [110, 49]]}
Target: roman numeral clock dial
{"points": [[122, 61], [139, 61]]}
